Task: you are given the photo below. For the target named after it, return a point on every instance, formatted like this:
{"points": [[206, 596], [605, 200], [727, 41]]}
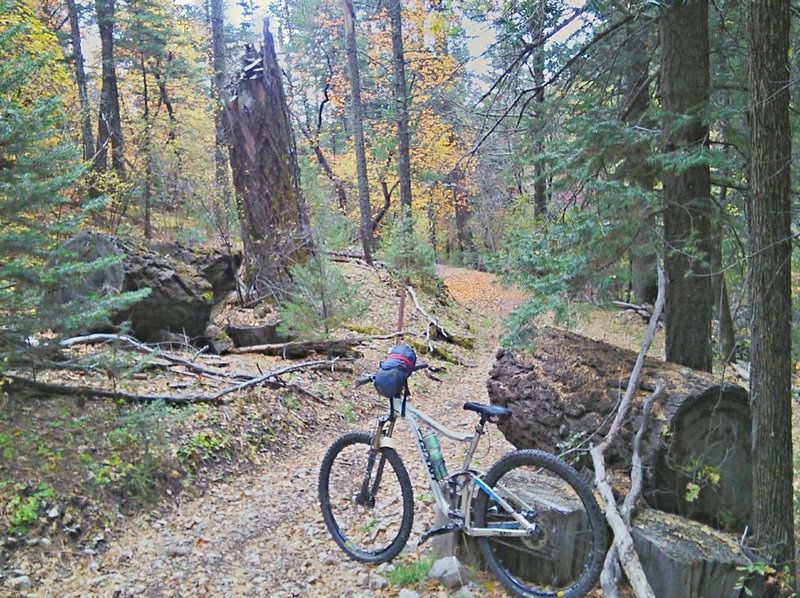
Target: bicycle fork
{"points": [[383, 437]]}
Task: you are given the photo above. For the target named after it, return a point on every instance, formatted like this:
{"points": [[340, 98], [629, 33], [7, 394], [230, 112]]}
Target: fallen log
{"points": [[252, 336], [696, 457], [342, 347]]}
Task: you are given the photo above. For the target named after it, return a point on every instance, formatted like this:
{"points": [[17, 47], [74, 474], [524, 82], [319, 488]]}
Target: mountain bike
{"points": [[538, 525]]}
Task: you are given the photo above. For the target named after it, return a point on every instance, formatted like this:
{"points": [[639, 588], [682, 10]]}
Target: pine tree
{"points": [[321, 299], [36, 168]]}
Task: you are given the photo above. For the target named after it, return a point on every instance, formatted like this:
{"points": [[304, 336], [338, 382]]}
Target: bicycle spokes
{"points": [[550, 537], [366, 498]]}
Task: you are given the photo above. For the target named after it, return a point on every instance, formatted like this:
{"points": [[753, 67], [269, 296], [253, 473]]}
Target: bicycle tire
{"points": [[369, 533], [565, 556]]}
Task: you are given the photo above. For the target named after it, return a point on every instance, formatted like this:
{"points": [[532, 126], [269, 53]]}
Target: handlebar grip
{"points": [[366, 379], [421, 366]]}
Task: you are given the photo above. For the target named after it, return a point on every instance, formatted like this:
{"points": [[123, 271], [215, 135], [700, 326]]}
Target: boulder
{"points": [[179, 301]]}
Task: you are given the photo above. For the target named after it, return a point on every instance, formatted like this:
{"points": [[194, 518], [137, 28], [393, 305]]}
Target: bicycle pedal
{"points": [[438, 531]]}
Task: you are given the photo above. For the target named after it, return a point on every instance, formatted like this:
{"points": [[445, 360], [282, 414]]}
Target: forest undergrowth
{"points": [[101, 497]]}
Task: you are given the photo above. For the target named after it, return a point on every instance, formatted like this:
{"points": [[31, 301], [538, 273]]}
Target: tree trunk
{"points": [[87, 138], [644, 281], [462, 211], [684, 92], [220, 138], [357, 112], [109, 128], [684, 558], [147, 154], [770, 280], [726, 333], [564, 393], [401, 104], [272, 211]]}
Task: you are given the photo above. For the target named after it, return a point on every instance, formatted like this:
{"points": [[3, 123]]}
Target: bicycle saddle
{"points": [[493, 413]]}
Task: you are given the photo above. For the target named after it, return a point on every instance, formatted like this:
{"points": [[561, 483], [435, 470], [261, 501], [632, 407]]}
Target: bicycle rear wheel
{"points": [[366, 498], [563, 556]]}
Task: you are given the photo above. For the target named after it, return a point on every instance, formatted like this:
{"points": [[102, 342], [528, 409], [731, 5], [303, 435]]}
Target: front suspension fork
{"points": [[368, 492]]}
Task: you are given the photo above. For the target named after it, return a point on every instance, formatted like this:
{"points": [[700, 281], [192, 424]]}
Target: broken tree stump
{"points": [[696, 456], [685, 558]]}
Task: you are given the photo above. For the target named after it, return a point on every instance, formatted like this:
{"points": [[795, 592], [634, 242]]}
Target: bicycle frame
{"points": [[383, 437]]}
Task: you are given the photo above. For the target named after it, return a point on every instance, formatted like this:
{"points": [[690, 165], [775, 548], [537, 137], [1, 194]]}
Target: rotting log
{"points": [[251, 336], [696, 457], [342, 347]]}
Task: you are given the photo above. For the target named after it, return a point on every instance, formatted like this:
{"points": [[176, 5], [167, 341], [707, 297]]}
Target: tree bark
{"points": [[462, 210], [644, 282], [218, 61], [684, 92], [109, 128], [357, 112], [147, 153], [266, 176], [401, 104], [87, 138], [726, 332], [770, 283]]}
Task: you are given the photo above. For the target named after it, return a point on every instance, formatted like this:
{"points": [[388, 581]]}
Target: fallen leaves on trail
{"points": [[254, 528], [480, 291]]}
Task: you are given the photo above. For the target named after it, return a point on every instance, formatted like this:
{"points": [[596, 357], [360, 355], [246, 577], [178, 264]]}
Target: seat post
{"points": [[480, 430]]}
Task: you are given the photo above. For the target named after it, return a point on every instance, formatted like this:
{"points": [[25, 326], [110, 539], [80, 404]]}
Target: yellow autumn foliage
{"points": [[32, 40]]}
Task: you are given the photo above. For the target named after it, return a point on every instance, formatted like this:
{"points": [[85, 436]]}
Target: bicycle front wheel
{"points": [[563, 553], [366, 498]]}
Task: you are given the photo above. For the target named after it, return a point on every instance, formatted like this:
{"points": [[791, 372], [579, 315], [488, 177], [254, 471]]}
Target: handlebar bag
{"points": [[394, 371]]}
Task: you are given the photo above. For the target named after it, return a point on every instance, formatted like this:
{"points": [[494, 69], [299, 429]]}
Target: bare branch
{"points": [[623, 542]]}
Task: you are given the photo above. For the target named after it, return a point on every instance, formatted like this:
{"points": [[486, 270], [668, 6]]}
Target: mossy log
{"points": [[697, 454]]}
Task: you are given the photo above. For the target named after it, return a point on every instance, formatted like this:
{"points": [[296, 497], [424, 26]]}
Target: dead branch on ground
{"points": [[434, 324], [271, 378], [337, 347]]}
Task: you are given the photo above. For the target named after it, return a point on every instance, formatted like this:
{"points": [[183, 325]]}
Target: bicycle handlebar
{"points": [[365, 379]]}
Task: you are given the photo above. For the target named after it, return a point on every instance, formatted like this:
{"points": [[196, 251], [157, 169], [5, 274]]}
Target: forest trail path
{"points": [[262, 534]]}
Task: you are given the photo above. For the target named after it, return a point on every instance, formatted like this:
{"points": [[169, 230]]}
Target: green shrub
{"points": [[24, 510], [409, 574], [320, 301], [37, 169], [409, 257]]}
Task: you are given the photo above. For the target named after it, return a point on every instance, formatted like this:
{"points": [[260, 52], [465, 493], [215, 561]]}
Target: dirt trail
{"points": [[262, 534]]}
